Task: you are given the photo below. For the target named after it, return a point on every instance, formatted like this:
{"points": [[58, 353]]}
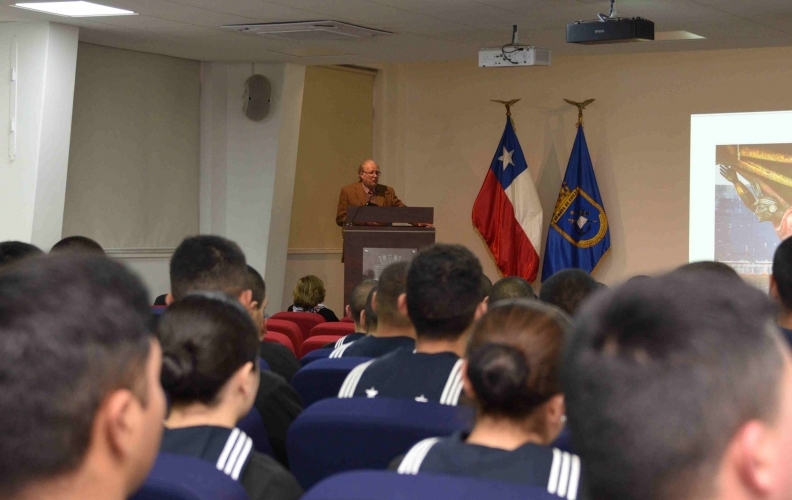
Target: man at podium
{"points": [[367, 191]]}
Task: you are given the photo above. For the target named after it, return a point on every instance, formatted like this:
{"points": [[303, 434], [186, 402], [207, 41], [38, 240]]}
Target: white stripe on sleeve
{"points": [[414, 458], [563, 481], [241, 460], [221, 462], [574, 479], [445, 397], [555, 470], [351, 382], [240, 443]]}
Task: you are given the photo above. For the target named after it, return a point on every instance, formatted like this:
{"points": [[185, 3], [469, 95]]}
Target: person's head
{"points": [[781, 279], [486, 285], [209, 263], [513, 365], [368, 319], [709, 266], [258, 302], [510, 287], [14, 251], [392, 285], [369, 173], [210, 349], [357, 302], [567, 289], [680, 387], [79, 376], [78, 244], [444, 293], [309, 292]]}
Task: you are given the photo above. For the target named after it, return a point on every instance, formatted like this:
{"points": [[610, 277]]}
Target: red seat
{"points": [[304, 320], [288, 328], [279, 338], [317, 342], [346, 319], [332, 329]]}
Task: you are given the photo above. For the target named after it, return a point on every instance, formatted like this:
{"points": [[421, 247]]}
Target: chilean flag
{"points": [[507, 212]]}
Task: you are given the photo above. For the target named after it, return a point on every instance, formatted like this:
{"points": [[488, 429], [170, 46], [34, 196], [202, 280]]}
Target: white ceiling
{"points": [[426, 29]]}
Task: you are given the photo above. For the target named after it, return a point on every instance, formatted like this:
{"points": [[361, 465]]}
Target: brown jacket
{"points": [[354, 195]]}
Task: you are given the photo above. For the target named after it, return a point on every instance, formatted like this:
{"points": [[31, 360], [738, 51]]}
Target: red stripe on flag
{"points": [[493, 216]]}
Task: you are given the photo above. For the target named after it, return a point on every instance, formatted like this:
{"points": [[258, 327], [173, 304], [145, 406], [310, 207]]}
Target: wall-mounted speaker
{"points": [[258, 95]]}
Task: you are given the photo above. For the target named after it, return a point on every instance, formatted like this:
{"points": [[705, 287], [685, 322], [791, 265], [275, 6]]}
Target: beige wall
{"points": [[439, 125], [336, 134], [134, 157]]}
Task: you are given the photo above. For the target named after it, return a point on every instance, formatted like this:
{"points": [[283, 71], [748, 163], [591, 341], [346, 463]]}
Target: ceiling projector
{"points": [[610, 30], [512, 54]]}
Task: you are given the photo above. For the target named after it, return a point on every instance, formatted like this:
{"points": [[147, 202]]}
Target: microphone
{"points": [[368, 204]]}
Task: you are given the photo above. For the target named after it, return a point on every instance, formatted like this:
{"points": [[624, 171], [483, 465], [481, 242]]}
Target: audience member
{"points": [[355, 310], [308, 296], [512, 375], [213, 263], [486, 285], [368, 318], [210, 371], [709, 266], [781, 286], [394, 329], [510, 287], [443, 299], [567, 289], [14, 251], [81, 405], [280, 358], [78, 244], [680, 387]]}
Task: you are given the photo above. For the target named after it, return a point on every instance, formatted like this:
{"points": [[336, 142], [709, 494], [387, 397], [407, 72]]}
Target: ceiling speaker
{"points": [[258, 94]]}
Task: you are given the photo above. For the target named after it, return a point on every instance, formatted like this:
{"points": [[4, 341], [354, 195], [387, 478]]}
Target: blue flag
{"points": [[579, 234]]}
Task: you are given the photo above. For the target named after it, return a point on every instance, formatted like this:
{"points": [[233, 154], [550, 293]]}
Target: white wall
{"points": [[33, 185], [243, 161]]}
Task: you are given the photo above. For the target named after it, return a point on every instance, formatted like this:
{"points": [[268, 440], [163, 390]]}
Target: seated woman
{"points": [[210, 372], [308, 296], [512, 376]]}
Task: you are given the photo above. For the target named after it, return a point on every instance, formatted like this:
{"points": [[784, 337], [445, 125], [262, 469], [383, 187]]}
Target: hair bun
{"points": [[499, 375], [177, 371]]}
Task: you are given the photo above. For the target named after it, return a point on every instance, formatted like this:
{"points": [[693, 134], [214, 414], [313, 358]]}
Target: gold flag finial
{"points": [[580, 106], [508, 105]]}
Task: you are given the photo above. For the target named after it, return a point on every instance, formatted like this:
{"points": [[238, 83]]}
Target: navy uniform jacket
{"points": [[373, 347], [347, 339], [530, 464], [231, 450], [406, 374]]}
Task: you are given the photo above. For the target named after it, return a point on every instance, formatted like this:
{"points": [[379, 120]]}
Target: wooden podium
{"points": [[369, 249]]}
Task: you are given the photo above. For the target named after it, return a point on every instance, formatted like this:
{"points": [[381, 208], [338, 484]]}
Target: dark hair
{"points": [[486, 285], [658, 376], [443, 291], [79, 244], [514, 357], [206, 337], [392, 283], [511, 287], [567, 289], [207, 263], [709, 266], [782, 272], [358, 296], [255, 283], [371, 315], [13, 251], [72, 329]]}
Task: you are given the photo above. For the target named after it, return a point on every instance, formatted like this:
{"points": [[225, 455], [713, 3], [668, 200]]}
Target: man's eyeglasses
{"points": [[375, 172]]}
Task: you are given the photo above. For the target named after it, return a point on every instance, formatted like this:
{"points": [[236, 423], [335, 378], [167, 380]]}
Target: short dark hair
{"points": [[486, 285], [709, 266], [392, 283], [206, 337], [255, 283], [782, 272], [660, 374], [371, 315], [207, 263], [511, 287], [13, 251], [72, 329], [78, 244], [567, 289], [443, 291], [358, 296]]}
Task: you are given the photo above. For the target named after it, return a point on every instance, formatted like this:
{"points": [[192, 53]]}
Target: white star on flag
{"points": [[422, 399], [371, 393], [506, 158]]}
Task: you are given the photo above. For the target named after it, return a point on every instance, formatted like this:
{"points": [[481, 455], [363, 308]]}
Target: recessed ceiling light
{"points": [[74, 9]]}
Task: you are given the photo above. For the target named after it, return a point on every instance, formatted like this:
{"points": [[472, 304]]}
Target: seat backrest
{"points": [[338, 328], [323, 378], [383, 485], [280, 338], [178, 477], [336, 435], [288, 328], [314, 355], [306, 321], [346, 319], [318, 342], [253, 426]]}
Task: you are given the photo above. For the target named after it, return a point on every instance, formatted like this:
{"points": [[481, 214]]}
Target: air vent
{"points": [[309, 30]]}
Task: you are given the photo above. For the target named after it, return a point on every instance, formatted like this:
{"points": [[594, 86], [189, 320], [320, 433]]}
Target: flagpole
{"points": [[508, 105], [580, 106]]}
